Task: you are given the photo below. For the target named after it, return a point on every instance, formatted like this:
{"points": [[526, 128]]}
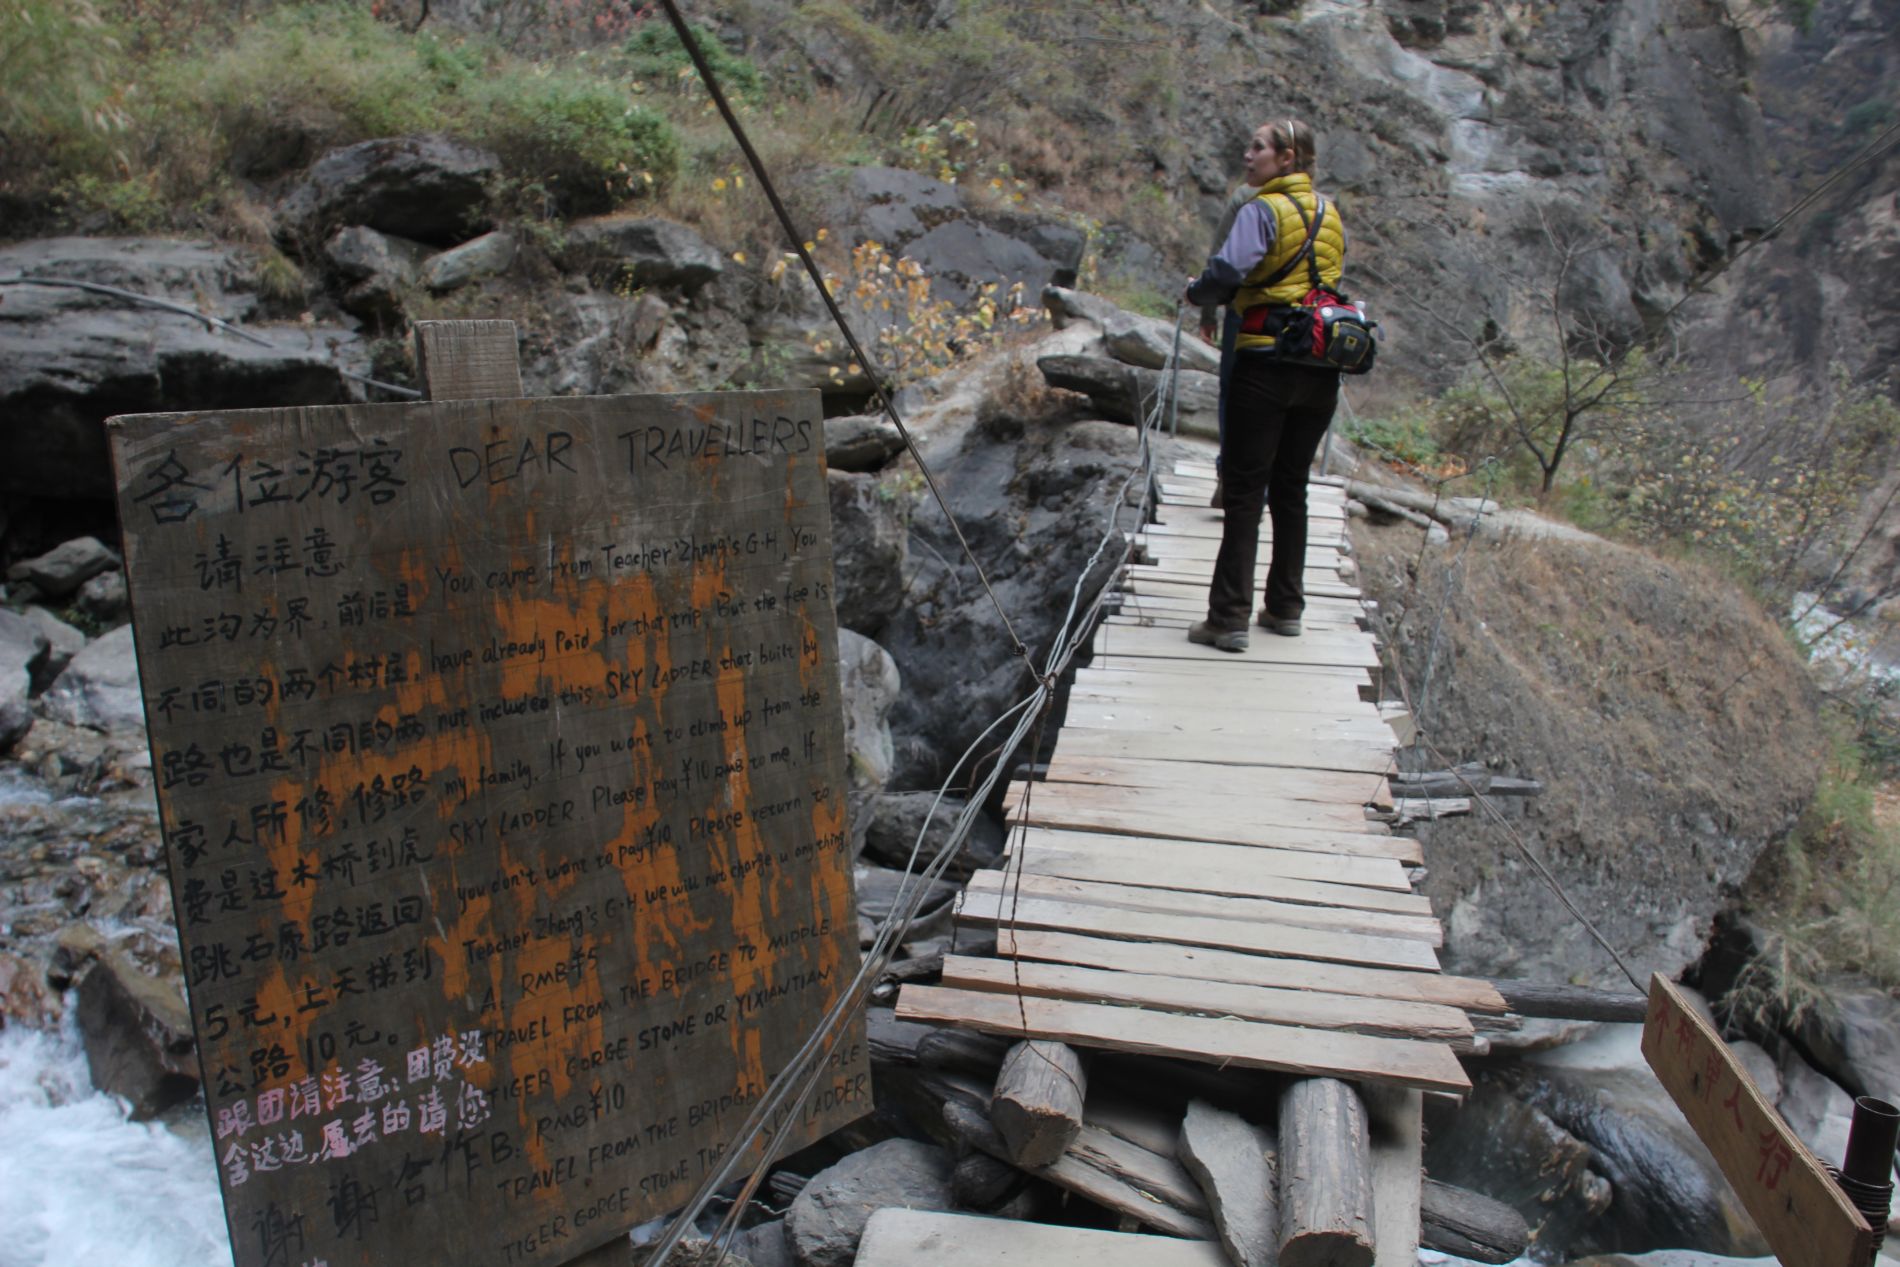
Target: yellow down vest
{"points": [[1289, 237]]}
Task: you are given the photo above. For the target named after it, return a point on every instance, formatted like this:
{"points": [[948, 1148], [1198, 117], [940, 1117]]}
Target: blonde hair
{"points": [[1291, 134]]}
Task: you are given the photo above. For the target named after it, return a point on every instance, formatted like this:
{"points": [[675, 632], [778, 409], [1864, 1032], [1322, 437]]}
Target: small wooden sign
{"points": [[1806, 1218], [500, 763]]}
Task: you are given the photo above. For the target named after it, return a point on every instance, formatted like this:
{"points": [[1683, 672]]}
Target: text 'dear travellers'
{"points": [[500, 760]]}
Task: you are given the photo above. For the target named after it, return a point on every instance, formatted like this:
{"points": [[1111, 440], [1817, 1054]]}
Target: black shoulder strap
{"points": [[1305, 252]]}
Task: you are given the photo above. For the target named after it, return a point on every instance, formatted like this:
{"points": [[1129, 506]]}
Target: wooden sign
{"points": [[1807, 1220], [500, 760]]}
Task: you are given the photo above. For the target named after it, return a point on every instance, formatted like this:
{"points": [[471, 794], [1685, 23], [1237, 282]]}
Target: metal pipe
{"points": [[1870, 1142]]}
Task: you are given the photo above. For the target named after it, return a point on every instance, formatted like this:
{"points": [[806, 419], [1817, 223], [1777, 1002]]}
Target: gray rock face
{"points": [[898, 817], [63, 643], [138, 1036], [100, 688], [1854, 1038], [871, 684], [1032, 502], [69, 359], [1125, 393], [870, 520], [861, 442], [428, 188], [880, 888], [1066, 306], [828, 1217], [23, 651], [105, 599], [489, 255], [378, 269], [66, 566], [642, 251], [1149, 341]]}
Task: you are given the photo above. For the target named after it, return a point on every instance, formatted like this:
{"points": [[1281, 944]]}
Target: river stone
{"points": [[861, 442], [1667, 1187], [63, 642], [428, 188], [897, 817], [105, 598], [870, 684], [100, 688], [641, 251], [137, 1033], [877, 891], [870, 544], [66, 566], [827, 1219], [765, 1245], [23, 650], [489, 255]]}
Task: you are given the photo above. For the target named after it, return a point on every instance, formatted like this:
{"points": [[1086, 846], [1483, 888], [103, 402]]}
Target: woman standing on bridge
{"points": [[1277, 410]]}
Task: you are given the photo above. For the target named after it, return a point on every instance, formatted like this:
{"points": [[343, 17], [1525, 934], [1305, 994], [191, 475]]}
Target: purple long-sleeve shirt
{"points": [[1247, 244]]}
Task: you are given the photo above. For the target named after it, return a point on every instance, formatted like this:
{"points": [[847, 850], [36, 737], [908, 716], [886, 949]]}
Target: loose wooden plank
{"points": [[1339, 650], [1234, 1162], [1140, 897], [1156, 812], [1427, 1066], [1309, 1009], [1803, 1215], [1344, 879], [1215, 779], [1332, 722], [1223, 792], [1211, 964], [1212, 869], [1396, 1121], [1359, 755], [905, 1238], [1281, 940], [1326, 1217], [1037, 1105]]}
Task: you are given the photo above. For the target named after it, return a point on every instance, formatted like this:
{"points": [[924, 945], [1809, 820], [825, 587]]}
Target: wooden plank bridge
{"points": [[1196, 873]]}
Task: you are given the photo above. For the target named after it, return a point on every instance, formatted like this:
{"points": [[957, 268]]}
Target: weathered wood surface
{"points": [[1234, 1163], [1216, 1040], [1326, 1215], [1230, 779], [1802, 1213], [1193, 863], [500, 764], [1281, 940], [468, 360], [1395, 1120], [1340, 650], [907, 1238], [1470, 1225], [1164, 812], [1310, 1009], [1208, 964], [1139, 897], [1571, 1002], [1037, 1105]]}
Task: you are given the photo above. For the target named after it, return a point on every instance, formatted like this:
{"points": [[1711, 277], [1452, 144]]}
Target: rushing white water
{"points": [[81, 1184]]}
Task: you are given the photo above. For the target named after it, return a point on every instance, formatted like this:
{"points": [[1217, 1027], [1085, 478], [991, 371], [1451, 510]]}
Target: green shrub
{"points": [[1407, 437], [59, 72], [129, 204], [579, 135], [1869, 116], [655, 53]]}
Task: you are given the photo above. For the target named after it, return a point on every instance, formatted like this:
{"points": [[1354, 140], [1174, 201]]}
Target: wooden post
{"points": [[467, 360], [1037, 1107], [1325, 1176]]}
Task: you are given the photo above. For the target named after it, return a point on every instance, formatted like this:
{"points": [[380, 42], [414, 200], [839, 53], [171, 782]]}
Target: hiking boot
{"points": [[1223, 639], [1285, 626]]}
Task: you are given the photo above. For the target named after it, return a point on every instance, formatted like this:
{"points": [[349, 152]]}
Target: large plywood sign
{"points": [[499, 753]]}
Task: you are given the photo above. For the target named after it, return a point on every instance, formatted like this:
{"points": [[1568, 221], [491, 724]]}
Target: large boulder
{"points": [[1149, 341], [861, 442], [898, 819], [871, 684], [100, 689], [827, 1217], [1030, 496], [489, 255], [70, 358], [870, 544], [641, 251], [66, 566], [1127, 393], [63, 642], [428, 188], [137, 1033], [1853, 1037], [23, 651], [377, 270]]}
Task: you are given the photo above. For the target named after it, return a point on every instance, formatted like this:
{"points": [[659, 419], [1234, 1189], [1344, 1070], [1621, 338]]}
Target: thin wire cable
{"points": [[211, 322], [691, 44]]}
